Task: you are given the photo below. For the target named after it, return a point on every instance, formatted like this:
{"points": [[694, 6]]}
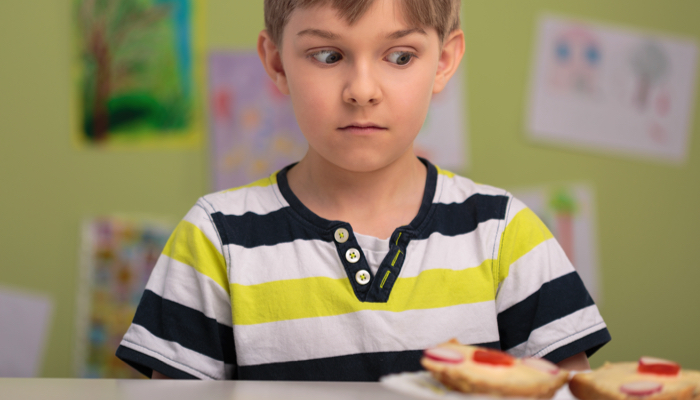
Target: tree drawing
{"points": [[650, 64], [135, 67]]}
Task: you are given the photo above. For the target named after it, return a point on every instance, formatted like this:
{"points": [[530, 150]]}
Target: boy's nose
{"points": [[362, 89]]}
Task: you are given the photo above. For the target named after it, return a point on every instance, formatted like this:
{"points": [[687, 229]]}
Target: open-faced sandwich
{"points": [[471, 369], [649, 379]]}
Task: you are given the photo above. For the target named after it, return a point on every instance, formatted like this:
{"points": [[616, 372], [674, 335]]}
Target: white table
{"points": [[112, 389]]}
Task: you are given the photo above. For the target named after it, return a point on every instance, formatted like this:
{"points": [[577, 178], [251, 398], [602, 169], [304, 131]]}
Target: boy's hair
{"points": [[442, 15]]}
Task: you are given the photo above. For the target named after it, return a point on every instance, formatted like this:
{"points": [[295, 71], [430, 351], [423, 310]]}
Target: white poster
{"points": [[568, 210], [24, 328], [612, 89]]}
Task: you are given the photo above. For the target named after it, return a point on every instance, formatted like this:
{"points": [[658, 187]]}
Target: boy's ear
{"points": [[450, 57], [272, 61]]}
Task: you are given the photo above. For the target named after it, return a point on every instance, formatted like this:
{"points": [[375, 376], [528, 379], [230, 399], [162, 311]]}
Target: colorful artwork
{"points": [[137, 72], [569, 213], [253, 129], [118, 257], [610, 89]]}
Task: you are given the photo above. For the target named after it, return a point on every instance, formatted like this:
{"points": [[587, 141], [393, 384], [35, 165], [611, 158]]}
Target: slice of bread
{"points": [[612, 380], [692, 377], [460, 368]]}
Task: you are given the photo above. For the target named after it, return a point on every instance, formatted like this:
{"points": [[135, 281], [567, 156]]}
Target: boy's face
{"points": [[360, 92]]}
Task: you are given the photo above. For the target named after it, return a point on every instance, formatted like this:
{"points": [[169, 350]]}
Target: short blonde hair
{"points": [[442, 15]]}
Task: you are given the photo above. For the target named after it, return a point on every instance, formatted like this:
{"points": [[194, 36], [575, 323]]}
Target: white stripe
{"points": [[294, 260], [316, 258], [175, 355], [561, 332], [469, 250], [178, 282], [458, 189], [257, 199], [364, 332], [540, 265]]}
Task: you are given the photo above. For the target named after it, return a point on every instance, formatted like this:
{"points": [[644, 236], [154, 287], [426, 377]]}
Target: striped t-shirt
{"points": [[253, 285]]}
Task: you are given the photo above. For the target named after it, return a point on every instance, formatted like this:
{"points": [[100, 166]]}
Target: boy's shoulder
{"points": [[450, 184], [261, 197], [452, 188]]}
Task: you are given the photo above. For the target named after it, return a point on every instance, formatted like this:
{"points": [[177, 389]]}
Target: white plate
{"points": [[422, 385]]}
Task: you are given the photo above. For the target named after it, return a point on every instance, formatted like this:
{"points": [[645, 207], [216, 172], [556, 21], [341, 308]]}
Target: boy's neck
{"points": [[374, 203]]}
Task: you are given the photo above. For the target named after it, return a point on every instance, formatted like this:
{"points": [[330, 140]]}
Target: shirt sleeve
{"points": [[544, 309], [182, 327]]}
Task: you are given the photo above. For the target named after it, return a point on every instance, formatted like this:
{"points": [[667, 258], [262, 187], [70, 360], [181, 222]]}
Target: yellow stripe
{"points": [[445, 172], [398, 237], [384, 280], [522, 234], [190, 246], [269, 181], [321, 297]]}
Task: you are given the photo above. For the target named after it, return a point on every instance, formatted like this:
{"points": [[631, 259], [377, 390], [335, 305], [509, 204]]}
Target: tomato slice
{"points": [[493, 357], [658, 366]]}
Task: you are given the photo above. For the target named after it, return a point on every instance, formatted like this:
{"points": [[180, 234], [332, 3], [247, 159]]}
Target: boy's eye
{"points": [[400, 57], [327, 56]]}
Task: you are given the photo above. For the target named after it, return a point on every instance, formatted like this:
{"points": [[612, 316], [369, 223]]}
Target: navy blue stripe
{"points": [[459, 218], [147, 364], [555, 299], [252, 230], [281, 226], [590, 344], [367, 367], [190, 328]]}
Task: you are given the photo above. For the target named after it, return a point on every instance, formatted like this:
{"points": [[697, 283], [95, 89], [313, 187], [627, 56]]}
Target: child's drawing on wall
{"points": [[136, 71], [118, 257], [612, 89], [253, 129]]}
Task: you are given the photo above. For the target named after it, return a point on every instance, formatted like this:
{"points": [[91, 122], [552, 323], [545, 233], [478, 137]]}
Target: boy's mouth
{"points": [[362, 128]]}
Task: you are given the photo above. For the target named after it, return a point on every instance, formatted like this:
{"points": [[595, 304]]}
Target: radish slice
{"points": [[541, 365], [641, 388], [658, 366], [442, 354]]}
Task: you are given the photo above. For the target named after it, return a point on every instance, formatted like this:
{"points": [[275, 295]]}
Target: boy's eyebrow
{"points": [[405, 32], [332, 36], [320, 33]]}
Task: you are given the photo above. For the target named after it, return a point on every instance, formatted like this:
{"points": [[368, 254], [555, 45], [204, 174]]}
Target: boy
{"points": [[346, 265]]}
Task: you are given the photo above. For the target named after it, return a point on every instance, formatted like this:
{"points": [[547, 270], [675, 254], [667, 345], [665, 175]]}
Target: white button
{"points": [[362, 277], [352, 255], [341, 235]]}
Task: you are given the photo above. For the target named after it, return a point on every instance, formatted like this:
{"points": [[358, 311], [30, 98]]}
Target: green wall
{"points": [[648, 213]]}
